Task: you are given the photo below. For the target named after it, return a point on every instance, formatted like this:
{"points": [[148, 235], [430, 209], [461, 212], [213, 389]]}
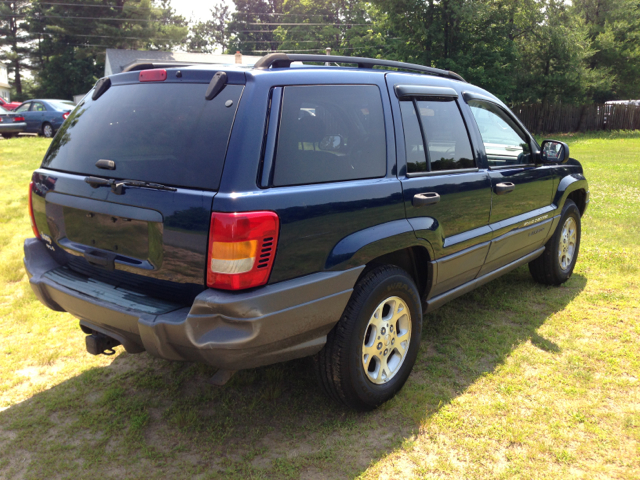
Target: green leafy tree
{"points": [[346, 26], [212, 34], [14, 41], [71, 38], [614, 28], [252, 26], [554, 60]]}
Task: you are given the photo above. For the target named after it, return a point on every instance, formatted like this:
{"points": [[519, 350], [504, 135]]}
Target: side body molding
{"points": [[361, 247]]}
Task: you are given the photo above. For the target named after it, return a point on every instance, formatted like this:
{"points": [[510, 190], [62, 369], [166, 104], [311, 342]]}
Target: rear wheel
{"points": [[9, 135], [556, 264], [370, 352], [47, 130]]}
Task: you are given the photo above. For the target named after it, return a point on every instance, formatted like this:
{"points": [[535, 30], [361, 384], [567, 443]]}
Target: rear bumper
{"points": [[229, 330], [13, 127]]}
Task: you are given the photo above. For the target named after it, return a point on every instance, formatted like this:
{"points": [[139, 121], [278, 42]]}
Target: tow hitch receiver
{"points": [[98, 343]]}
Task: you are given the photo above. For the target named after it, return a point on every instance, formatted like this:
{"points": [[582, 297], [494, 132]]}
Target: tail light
{"points": [[65, 115], [18, 119], [242, 247], [33, 219]]}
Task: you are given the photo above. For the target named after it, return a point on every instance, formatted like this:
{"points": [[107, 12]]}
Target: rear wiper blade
{"points": [[117, 186]]}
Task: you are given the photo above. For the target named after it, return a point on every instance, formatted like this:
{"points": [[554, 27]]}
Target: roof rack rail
{"points": [[283, 60]]}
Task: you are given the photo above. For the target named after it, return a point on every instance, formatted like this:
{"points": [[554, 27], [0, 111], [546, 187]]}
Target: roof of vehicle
{"points": [[283, 68], [47, 100]]}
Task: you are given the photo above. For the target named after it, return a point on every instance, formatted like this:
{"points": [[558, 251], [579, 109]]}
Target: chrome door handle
{"points": [[506, 187], [422, 199]]}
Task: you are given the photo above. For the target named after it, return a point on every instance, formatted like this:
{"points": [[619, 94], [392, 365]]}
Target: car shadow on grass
{"points": [[142, 417]]}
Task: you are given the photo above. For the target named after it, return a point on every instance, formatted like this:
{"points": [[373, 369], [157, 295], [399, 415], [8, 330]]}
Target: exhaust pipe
{"points": [[98, 343]]}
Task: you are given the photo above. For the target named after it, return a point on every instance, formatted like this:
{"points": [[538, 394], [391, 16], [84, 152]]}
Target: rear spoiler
{"points": [[151, 65]]}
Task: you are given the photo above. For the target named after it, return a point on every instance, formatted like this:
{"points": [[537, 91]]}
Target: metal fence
{"points": [[559, 118]]}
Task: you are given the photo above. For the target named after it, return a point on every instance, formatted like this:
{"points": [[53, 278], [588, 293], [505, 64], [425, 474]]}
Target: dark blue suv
{"points": [[253, 216]]}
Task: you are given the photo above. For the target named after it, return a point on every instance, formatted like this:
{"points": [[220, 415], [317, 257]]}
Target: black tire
{"points": [[339, 365], [9, 135], [47, 130], [547, 268]]}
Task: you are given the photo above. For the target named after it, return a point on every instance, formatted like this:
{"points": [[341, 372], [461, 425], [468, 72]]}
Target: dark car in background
{"points": [[45, 117], [11, 123]]}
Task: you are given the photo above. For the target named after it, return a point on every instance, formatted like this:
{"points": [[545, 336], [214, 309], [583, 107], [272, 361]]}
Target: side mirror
{"points": [[553, 151]]}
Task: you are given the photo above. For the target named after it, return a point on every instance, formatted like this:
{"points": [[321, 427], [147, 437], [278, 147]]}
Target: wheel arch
{"points": [[391, 243], [575, 188]]}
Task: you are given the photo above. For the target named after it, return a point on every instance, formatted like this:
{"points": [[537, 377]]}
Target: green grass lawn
{"points": [[514, 380]]}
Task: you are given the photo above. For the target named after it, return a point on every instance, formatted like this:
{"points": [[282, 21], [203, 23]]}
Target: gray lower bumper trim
{"points": [[231, 330]]}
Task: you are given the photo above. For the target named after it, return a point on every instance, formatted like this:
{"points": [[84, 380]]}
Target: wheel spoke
{"points": [[372, 350]]}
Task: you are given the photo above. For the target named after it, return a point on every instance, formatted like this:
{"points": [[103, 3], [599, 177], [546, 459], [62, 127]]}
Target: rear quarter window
{"points": [[330, 133], [162, 132]]}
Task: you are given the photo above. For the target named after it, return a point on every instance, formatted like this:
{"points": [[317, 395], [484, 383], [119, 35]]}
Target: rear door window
{"points": [[161, 132], [330, 133]]}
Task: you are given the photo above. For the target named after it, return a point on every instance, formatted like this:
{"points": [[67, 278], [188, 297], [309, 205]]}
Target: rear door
{"points": [[522, 190], [35, 116], [447, 193], [150, 239]]}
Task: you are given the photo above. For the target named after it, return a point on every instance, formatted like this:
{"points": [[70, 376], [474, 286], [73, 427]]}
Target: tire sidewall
{"points": [[400, 285], [570, 210]]}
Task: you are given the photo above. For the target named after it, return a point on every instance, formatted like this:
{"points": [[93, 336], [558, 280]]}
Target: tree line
{"points": [[524, 51]]}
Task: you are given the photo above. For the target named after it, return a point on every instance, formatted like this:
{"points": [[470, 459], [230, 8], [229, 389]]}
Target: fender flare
{"points": [[569, 184], [361, 247]]}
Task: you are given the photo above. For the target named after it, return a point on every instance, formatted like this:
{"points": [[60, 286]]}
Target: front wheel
{"points": [[47, 130], [370, 352], [558, 260]]}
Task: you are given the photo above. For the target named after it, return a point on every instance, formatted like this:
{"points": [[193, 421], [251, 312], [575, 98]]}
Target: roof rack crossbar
{"points": [[282, 60]]}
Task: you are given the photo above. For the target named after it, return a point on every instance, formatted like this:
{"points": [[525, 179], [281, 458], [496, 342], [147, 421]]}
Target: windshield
{"points": [[163, 132], [3, 110]]}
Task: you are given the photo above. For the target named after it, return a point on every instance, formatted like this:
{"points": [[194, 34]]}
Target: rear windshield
{"points": [[61, 106], [161, 132]]}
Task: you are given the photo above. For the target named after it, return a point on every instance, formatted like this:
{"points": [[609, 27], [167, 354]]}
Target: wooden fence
{"points": [[559, 118]]}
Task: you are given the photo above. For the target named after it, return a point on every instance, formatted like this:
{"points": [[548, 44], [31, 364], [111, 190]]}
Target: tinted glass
{"points": [[505, 143], [23, 108], [62, 106], [416, 159], [38, 107], [181, 140], [446, 135], [330, 133]]}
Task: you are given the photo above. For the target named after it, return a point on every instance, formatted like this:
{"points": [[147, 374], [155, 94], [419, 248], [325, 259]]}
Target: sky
{"points": [[196, 9]]}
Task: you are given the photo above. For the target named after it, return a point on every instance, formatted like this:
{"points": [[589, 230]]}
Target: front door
{"points": [[447, 195], [521, 190]]}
